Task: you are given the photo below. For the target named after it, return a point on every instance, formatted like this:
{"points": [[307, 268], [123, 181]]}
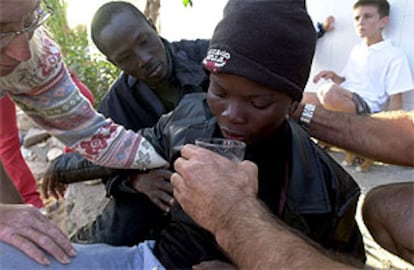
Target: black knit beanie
{"points": [[271, 42]]}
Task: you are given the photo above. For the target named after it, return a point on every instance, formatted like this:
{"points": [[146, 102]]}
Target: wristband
{"points": [[306, 116]]}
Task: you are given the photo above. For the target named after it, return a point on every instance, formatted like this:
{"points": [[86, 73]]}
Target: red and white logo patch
{"points": [[216, 59]]}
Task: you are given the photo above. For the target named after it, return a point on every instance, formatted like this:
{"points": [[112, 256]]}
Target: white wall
{"points": [[179, 22], [333, 49]]}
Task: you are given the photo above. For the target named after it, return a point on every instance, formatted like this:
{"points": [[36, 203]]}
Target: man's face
{"points": [[134, 46], [244, 109], [15, 15], [368, 22]]}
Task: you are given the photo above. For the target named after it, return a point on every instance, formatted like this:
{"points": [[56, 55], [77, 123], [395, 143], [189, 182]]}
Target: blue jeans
{"points": [[90, 257]]}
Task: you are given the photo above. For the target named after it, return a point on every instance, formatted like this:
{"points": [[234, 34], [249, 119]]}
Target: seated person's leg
{"points": [[125, 221], [310, 98], [335, 98], [388, 215], [99, 256]]}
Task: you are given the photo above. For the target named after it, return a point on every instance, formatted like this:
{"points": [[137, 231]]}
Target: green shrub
{"points": [[92, 70]]}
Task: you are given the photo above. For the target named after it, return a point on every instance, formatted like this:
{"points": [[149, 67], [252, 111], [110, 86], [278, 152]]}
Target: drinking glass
{"points": [[231, 149]]}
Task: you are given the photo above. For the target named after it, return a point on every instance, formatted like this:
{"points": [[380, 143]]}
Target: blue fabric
{"points": [[90, 257]]}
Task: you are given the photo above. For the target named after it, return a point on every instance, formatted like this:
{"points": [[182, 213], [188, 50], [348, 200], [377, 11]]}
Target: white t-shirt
{"points": [[375, 72]]}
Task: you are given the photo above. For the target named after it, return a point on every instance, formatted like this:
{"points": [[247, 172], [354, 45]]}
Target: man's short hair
{"points": [[104, 15], [382, 5]]}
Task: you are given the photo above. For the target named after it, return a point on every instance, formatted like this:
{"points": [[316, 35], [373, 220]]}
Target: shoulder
{"points": [[192, 110], [192, 103], [197, 43], [392, 49]]}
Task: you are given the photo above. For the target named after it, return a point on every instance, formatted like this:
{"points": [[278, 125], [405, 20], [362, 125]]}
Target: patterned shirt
{"points": [[43, 89]]}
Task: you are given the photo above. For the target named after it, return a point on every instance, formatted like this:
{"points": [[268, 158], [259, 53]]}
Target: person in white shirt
{"points": [[376, 74]]}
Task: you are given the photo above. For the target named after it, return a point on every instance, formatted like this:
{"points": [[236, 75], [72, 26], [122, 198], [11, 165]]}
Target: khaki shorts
{"points": [[360, 104]]}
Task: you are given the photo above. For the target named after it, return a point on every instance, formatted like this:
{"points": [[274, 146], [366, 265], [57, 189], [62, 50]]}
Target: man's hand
{"points": [[51, 185], [207, 185], [328, 75], [329, 24], [155, 184], [25, 228]]}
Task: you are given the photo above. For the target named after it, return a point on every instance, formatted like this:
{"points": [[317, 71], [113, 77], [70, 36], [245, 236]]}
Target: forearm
{"points": [[256, 240], [48, 95], [384, 137], [73, 121]]}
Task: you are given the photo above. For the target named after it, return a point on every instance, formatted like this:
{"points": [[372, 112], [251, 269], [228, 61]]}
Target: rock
{"points": [[34, 136], [53, 153], [23, 121]]}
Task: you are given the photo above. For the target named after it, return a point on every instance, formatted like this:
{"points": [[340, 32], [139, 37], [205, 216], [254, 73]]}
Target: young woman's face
{"points": [[245, 110]]}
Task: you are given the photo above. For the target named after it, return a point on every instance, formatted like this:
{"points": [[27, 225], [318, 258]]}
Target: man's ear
{"points": [[293, 107], [384, 21]]}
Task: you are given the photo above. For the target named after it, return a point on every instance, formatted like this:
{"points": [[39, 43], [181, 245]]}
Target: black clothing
{"points": [[299, 182], [130, 217], [133, 104]]}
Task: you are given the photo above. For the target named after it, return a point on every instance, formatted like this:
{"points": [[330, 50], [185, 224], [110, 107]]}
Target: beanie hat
{"points": [[271, 42]]}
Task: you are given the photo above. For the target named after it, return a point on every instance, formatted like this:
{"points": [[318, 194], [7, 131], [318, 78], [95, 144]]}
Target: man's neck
{"points": [[373, 40]]}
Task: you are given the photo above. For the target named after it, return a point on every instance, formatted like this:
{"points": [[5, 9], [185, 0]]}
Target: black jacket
{"points": [[321, 197]]}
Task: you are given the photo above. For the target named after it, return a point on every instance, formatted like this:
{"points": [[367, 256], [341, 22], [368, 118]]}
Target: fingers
{"points": [[29, 249], [28, 230], [52, 187], [30, 240], [317, 77], [164, 173], [163, 200], [48, 236], [250, 168], [45, 189]]}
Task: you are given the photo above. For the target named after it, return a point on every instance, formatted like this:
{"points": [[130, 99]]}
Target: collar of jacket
{"points": [[190, 73]]}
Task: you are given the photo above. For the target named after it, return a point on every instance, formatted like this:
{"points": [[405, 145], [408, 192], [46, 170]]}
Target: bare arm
{"points": [[385, 136], [221, 196], [256, 240]]}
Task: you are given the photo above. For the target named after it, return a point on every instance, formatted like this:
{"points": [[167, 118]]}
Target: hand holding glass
{"points": [[231, 149]]}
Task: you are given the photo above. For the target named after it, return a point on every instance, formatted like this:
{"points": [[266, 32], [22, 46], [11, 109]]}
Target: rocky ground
{"points": [[83, 201]]}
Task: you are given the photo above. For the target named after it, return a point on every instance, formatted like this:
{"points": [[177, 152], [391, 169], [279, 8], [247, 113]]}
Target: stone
{"points": [[34, 136], [53, 153]]}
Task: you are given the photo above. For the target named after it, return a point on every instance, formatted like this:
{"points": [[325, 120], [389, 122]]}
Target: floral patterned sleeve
{"points": [[43, 89]]}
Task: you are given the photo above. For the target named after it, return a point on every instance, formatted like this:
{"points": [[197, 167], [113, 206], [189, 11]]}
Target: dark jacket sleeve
{"points": [[195, 49], [326, 212], [72, 167]]}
